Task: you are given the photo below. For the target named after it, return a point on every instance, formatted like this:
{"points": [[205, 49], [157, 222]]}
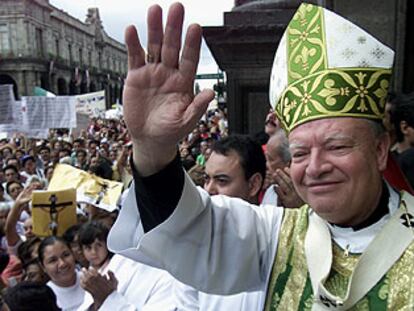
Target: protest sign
{"points": [[7, 106], [49, 112], [91, 104]]}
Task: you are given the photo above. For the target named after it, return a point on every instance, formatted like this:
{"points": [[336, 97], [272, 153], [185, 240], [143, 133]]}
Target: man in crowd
{"points": [[324, 255], [402, 117], [44, 152], [29, 168], [281, 191], [236, 168]]}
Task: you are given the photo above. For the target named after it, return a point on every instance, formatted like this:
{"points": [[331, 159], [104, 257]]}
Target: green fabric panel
{"points": [[374, 297], [281, 282], [306, 300], [305, 43]]}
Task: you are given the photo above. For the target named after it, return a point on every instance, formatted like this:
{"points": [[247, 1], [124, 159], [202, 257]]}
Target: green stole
{"points": [[290, 285]]}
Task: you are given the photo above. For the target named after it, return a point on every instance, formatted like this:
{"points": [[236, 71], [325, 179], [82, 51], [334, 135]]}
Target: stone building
{"points": [[41, 45], [245, 45]]}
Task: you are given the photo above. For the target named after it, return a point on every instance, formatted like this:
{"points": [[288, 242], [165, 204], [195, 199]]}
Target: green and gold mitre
{"points": [[325, 67]]}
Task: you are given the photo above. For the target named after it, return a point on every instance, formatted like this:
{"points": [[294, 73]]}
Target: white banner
{"points": [[19, 128], [7, 112], [49, 112], [91, 104]]}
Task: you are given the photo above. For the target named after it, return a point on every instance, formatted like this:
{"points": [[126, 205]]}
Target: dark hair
{"points": [[71, 232], [31, 296], [402, 110], [12, 158], [51, 240], [4, 260], [26, 158], [251, 155], [81, 151], [10, 167], [68, 152], [44, 147], [47, 168], [25, 250], [94, 141], [11, 183], [91, 231], [79, 140], [103, 168]]}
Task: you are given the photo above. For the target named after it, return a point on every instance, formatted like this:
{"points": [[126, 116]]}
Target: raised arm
{"points": [[13, 217], [159, 104]]}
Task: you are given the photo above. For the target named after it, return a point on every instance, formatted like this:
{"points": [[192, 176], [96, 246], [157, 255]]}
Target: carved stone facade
{"points": [[41, 45]]}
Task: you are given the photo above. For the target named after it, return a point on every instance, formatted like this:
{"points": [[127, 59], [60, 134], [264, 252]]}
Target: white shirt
{"points": [[270, 196], [68, 298], [140, 287]]}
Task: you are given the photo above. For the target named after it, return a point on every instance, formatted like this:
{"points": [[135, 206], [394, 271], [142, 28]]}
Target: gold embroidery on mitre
{"points": [[348, 92]]}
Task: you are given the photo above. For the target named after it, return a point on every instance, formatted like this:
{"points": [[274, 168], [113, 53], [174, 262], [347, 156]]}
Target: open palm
{"points": [[159, 104]]}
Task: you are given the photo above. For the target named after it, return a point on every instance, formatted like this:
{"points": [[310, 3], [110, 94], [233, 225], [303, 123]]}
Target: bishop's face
{"points": [[336, 167]]}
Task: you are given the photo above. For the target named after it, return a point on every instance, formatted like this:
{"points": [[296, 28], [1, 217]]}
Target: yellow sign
{"points": [[53, 212], [91, 189]]}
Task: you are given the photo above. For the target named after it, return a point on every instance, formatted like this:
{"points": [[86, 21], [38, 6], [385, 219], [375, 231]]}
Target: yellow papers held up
{"points": [[102, 193], [53, 211], [66, 176], [91, 189]]}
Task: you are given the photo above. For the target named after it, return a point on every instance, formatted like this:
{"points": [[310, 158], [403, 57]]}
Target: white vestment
{"points": [[219, 245]]}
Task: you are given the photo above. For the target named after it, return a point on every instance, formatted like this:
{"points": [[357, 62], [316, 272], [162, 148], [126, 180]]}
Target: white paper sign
{"points": [[49, 112], [7, 113], [91, 104], [17, 119]]}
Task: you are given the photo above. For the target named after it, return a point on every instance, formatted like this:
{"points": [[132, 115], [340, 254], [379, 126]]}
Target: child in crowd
{"points": [[92, 240]]}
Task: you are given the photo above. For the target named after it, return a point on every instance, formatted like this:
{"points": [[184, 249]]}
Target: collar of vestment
{"points": [[375, 241], [356, 239]]}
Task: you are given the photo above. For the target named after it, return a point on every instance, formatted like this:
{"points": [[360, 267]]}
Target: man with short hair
{"points": [[81, 159], [235, 168], [351, 247], [11, 173], [44, 152], [29, 168]]}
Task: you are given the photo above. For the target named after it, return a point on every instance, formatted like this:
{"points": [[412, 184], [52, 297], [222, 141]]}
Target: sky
{"points": [[117, 14]]}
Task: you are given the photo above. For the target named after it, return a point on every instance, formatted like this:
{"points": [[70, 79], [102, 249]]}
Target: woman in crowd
{"points": [[58, 262]]}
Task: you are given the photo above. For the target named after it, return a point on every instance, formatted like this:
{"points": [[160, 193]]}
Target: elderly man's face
{"points": [[273, 160], [336, 167]]}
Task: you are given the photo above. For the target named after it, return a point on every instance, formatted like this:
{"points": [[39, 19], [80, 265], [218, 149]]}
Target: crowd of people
{"points": [[102, 149], [240, 240]]}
